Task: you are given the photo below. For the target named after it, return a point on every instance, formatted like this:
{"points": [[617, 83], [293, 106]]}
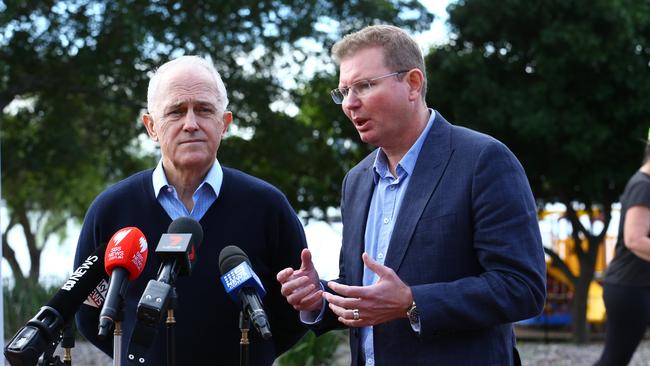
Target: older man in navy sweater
{"points": [[187, 117]]}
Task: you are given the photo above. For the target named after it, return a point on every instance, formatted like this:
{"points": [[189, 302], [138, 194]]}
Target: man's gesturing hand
{"points": [[301, 287], [385, 300]]}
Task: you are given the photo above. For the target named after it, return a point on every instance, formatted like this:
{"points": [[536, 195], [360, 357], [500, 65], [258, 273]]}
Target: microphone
{"points": [[43, 331], [176, 249], [243, 286], [177, 252], [124, 259]]}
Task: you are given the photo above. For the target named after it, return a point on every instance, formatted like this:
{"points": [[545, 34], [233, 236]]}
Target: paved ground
{"points": [[567, 354], [554, 354], [532, 353]]}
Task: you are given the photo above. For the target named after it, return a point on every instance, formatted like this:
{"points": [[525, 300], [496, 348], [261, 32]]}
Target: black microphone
{"points": [[44, 330], [176, 249], [239, 279], [177, 252]]}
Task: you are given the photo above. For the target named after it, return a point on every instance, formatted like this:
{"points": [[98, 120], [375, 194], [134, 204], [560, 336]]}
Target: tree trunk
{"points": [[587, 259], [580, 325], [31, 241], [9, 254], [35, 264]]}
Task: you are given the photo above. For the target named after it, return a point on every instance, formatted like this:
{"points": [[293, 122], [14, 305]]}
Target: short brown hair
{"points": [[401, 52]]}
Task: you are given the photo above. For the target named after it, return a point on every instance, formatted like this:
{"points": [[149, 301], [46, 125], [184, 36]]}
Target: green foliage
{"points": [[564, 84], [307, 156], [22, 303], [314, 351], [80, 69]]}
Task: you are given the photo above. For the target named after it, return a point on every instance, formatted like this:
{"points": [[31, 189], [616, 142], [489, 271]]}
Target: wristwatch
{"points": [[413, 314]]}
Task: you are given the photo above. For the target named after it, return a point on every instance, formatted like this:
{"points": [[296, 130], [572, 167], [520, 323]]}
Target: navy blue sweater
{"points": [[248, 213]]}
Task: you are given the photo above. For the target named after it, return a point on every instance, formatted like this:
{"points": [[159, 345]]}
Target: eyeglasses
{"points": [[359, 88]]}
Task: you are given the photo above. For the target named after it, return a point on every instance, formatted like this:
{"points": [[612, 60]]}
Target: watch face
{"points": [[413, 315]]}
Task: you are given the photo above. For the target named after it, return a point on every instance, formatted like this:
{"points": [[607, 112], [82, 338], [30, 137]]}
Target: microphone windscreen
{"points": [[187, 225], [127, 249], [80, 283], [237, 273], [230, 257]]}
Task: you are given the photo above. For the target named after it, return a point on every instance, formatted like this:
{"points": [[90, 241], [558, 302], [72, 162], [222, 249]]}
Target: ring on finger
{"points": [[355, 314]]}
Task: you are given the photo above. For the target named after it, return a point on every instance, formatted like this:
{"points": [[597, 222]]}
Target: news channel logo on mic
{"points": [[240, 276]]}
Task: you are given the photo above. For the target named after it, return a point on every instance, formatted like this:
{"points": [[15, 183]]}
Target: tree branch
{"points": [[561, 265], [607, 212], [53, 229], [577, 228], [23, 220], [9, 254], [573, 217], [31, 240]]}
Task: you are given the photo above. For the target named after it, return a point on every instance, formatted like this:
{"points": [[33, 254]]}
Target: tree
{"points": [[73, 77], [323, 146], [564, 84]]}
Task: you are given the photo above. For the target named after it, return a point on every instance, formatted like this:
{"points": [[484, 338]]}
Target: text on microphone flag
{"points": [[79, 272], [236, 276], [128, 249], [115, 253], [240, 275], [97, 296]]}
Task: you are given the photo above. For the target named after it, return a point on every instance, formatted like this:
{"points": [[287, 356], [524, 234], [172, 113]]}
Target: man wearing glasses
{"points": [[441, 247]]}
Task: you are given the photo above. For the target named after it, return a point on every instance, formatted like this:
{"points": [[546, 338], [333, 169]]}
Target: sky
{"points": [[438, 33]]}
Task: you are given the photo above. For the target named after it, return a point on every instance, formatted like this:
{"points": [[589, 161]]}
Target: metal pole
{"points": [[244, 343], [67, 342], [117, 344], [171, 333], [171, 340], [2, 315]]}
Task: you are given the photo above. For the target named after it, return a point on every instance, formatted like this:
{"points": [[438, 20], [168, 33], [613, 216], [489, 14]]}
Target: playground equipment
{"points": [[557, 310]]}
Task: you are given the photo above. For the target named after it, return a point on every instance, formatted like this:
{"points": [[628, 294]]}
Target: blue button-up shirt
{"points": [[203, 197], [384, 207]]}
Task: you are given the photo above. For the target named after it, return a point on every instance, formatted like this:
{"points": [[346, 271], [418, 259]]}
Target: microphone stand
{"points": [[48, 358], [171, 321], [67, 343], [117, 343], [117, 335], [244, 326]]}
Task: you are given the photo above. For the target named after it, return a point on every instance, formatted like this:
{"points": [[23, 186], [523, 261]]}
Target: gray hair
{"points": [[401, 52], [222, 96]]}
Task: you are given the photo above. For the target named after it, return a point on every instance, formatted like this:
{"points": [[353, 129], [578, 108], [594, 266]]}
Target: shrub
{"points": [[22, 302], [314, 351]]}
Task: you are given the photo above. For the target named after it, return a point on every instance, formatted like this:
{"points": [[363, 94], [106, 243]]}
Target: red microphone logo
{"points": [[175, 240], [127, 249]]}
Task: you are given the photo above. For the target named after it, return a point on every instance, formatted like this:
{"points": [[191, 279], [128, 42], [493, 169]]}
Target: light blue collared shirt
{"points": [[203, 197], [384, 207]]}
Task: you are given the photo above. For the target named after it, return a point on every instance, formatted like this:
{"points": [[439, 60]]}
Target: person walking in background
{"points": [[441, 247], [626, 289]]}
